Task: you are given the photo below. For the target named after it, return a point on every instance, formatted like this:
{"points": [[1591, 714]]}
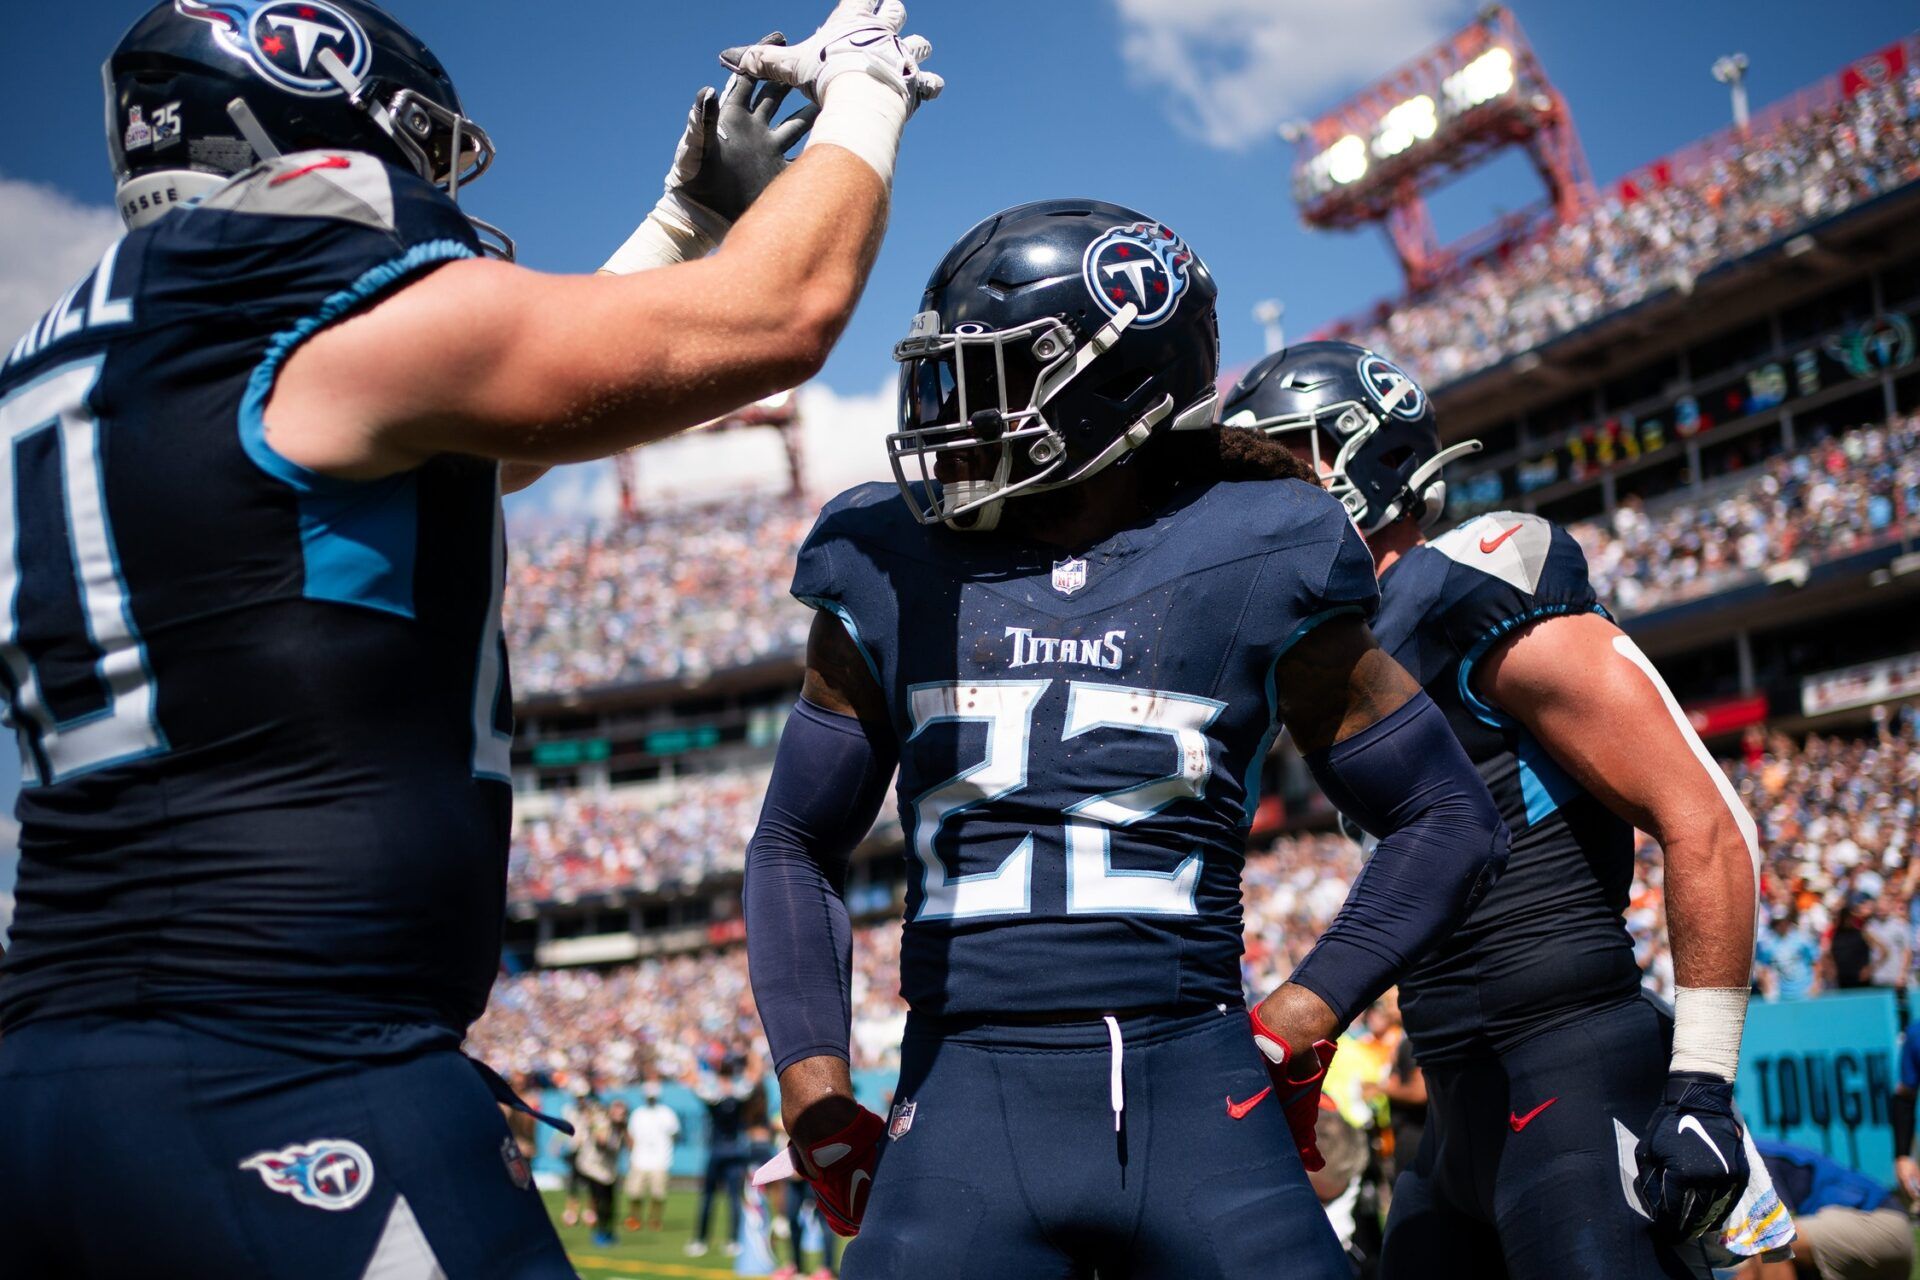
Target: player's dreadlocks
{"points": [[1227, 453]]}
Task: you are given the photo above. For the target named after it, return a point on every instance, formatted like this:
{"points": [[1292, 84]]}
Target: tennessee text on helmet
{"points": [[201, 90], [1054, 340], [1377, 421]]}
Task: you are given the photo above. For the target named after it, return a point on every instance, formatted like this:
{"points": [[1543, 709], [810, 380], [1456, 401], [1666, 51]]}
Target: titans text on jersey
{"points": [[1080, 743], [263, 713]]}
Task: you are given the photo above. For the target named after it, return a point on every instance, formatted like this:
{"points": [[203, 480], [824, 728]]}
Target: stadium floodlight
{"points": [[1346, 160], [1731, 70], [1482, 80], [1414, 120]]}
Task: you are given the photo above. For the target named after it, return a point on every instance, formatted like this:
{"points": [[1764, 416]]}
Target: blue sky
{"points": [[1168, 105]]}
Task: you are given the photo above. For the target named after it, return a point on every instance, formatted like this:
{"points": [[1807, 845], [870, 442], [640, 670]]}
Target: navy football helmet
{"points": [[200, 90], [1054, 339], [1375, 421]]}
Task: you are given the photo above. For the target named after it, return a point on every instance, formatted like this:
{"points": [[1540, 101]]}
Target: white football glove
{"points": [[855, 37]]}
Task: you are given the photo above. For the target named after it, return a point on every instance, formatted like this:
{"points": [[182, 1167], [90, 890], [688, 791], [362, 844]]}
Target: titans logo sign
{"points": [[282, 40], [1144, 264]]}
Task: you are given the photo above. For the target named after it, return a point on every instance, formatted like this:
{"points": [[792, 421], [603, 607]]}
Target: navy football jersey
{"points": [[1081, 736], [1547, 943], [263, 713]]}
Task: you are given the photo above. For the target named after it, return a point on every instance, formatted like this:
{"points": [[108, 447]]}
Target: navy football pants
{"points": [[1011, 1166], [122, 1145], [1546, 1200]]}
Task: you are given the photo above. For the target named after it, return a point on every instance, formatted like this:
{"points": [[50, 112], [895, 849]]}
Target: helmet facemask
{"points": [[983, 394], [1349, 426], [443, 146]]}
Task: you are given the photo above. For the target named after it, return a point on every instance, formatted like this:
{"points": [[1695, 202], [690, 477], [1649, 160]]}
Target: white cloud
{"points": [[50, 242], [1233, 70]]}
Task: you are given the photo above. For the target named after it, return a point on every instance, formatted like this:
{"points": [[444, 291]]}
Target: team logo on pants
{"points": [[327, 1173]]}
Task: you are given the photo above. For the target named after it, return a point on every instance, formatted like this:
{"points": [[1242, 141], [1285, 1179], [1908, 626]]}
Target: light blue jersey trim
{"points": [[253, 406], [1544, 785], [1481, 711], [845, 615], [358, 538]]}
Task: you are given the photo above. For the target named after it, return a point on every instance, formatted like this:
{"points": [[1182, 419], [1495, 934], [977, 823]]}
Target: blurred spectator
{"points": [[669, 595], [1788, 958], [1847, 1226], [1663, 235], [651, 1134], [735, 1099]]}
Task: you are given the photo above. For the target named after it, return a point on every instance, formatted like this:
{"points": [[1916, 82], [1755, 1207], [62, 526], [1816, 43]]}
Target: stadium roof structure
{"points": [[1480, 92]]}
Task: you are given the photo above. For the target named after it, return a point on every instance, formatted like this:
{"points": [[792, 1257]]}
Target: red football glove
{"points": [[839, 1168], [1296, 1083]]}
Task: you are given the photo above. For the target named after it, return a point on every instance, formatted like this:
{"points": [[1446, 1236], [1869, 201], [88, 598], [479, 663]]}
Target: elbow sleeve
{"points": [[829, 778], [1407, 780]]}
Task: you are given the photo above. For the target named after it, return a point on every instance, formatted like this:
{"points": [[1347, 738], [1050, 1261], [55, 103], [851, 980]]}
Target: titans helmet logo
{"points": [[327, 1173], [1144, 264], [1391, 389], [282, 40]]}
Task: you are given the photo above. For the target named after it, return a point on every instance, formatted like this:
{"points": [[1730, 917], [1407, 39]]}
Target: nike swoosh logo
{"points": [[860, 1177], [1693, 1122], [1238, 1110], [331, 162], [1520, 1122], [1491, 545]]}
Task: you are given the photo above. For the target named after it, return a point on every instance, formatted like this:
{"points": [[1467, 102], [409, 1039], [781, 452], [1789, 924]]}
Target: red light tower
{"points": [[1482, 90]]}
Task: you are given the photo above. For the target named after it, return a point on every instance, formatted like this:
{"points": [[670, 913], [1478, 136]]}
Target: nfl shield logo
{"points": [[1069, 576], [901, 1120], [517, 1167]]}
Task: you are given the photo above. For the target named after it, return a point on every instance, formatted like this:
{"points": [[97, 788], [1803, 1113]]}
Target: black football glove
{"points": [[733, 150], [1693, 1159]]}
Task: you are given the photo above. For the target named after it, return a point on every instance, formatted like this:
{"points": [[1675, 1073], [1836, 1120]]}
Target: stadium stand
{"points": [[1660, 230], [674, 593], [1836, 497]]}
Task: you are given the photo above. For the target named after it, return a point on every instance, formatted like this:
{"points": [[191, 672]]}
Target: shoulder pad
{"points": [[865, 514], [348, 186], [1507, 569], [1510, 545]]}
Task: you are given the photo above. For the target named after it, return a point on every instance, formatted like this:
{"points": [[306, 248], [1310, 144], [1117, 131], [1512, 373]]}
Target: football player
{"points": [[1573, 1129], [251, 561], [1076, 625]]}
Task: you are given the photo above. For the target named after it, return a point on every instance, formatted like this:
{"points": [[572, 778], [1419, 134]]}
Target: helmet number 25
{"points": [[1094, 886]]}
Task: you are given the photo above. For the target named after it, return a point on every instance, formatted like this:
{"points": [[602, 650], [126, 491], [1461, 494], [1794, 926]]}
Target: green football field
{"points": [[658, 1253], [647, 1253]]}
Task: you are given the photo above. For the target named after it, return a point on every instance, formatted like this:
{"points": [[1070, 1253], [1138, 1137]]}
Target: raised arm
{"points": [[1599, 707], [489, 359], [1385, 755], [830, 776]]}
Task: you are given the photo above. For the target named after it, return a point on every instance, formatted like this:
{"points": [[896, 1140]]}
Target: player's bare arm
{"points": [[490, 359], [1384, 753]]}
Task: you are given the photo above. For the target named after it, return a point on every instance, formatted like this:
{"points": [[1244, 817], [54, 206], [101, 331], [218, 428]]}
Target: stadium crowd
{"points": [[1662, 233], [672, 836], [1838, 830], [1835, 496], [680, 593]]}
